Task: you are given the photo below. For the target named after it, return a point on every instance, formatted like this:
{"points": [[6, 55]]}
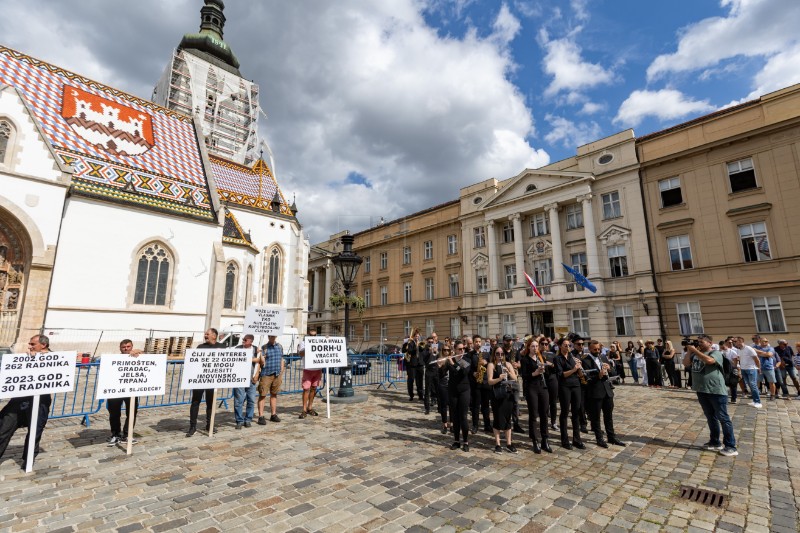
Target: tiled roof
{"points": [[254, 187], [120, 146], [232, 232]]}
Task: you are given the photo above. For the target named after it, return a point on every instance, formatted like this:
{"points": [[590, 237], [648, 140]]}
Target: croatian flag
{"points": [[763, 246], [533, 286]]}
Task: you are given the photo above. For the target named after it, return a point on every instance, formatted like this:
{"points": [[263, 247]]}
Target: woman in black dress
{"points": [[501, 376], [458, 388], [615, 357], [534, 388], [569, 392]]}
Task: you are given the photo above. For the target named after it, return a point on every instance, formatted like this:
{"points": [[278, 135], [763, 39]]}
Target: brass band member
{"points": [[501, 376], [459, 368], [569, 392], [534, 388], [551, 376], [414, 368], [479, 394], [600, 394], [442, 388]]}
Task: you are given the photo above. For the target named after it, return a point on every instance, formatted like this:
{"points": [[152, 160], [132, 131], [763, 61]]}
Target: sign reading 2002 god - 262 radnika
{"points": [[42, 373]]}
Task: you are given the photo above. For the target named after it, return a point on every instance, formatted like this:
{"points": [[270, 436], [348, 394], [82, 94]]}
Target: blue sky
{"points": [[377, 109]]}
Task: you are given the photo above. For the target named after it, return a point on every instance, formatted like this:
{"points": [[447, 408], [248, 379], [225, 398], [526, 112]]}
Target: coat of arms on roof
{"points": [[108, 125]]}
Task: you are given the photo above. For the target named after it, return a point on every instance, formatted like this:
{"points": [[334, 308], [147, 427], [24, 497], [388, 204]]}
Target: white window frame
{"points": [[352, 333], [615, 257], [623, 316], [508, 232], [509, 325], [580, 320], [543, 272], [765, 305], [384, 258], [384, 331], [453, 285], [427, 250], [612, 206], [406, 255], [510, 272], [429, 289], [540, 225], [740, 166], [452, 244], [366, 332], [367, 264], [482, 322], [384, 295], [682, 246], [430, 327], [757, 232], [669, 184], [574, 214], [455, 327], [407, 292], [481, 281], [694, 318], [367, 297], [479, 237], [406, 328]]}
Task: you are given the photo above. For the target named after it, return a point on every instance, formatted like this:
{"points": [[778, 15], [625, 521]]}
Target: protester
{"points": [[272, 367], [787, 369], [210, 337], [114, 405], [246, 394], [311, 379], [767, 355]]}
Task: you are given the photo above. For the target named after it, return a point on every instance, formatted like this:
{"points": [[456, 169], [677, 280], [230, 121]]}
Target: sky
{"points": [[378, 109]]}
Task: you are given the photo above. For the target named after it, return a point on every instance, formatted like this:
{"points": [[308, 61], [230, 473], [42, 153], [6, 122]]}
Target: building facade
{"points": [[721, 194]]}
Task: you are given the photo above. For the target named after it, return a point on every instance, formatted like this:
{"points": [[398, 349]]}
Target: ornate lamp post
{"points": [[347, 263]]}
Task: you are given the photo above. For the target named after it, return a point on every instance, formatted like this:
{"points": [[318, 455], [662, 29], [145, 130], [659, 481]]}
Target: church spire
{"points": [[208, 43], [212, 20]]}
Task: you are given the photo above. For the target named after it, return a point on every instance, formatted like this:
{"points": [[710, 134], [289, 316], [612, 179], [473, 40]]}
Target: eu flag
{"points": [[580, 279]]}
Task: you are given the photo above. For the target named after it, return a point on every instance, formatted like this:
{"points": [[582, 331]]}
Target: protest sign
{"points": [[43, 373], [264, 320], [216, 368], [124, 376], [325, 352]]}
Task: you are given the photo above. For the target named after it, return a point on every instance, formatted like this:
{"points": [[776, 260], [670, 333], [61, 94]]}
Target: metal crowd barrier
{"points": [[384, 372]]}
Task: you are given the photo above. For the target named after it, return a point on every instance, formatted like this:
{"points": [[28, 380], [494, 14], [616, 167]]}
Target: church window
{"points": [[273, 276], [248, 288], [230, 286], [5, 139], [152, 275]]}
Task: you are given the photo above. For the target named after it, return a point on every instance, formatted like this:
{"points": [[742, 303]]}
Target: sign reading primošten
{"points": [[124, 376], [42, 373], [216, 368], [325, 352], [264, 320]]}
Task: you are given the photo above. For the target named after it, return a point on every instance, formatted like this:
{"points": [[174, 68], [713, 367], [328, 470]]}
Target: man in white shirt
{"points": [[732, 355], [749, 365]]}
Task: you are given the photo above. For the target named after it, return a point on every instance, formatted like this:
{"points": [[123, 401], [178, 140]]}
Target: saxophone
{"points": [[481, 372], [581, 376]]}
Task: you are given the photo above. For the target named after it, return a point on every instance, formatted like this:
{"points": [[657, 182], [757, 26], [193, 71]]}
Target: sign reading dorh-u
{"points": [[264, 320], [217, 368], [42, 373], [325, 352]]}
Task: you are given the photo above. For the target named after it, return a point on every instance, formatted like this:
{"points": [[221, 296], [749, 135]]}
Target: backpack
{"points": [[729, 373]]}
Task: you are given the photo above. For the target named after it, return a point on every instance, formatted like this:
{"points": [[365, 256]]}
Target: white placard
{"points": [[325, 352], [43, 373], [264, 320], [213, 368], [124, 376]]}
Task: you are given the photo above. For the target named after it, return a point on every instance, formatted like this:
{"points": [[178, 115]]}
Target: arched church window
{"points": [[230, 286], [248, 288], [274, 277], [5, 139], [152, 275]]}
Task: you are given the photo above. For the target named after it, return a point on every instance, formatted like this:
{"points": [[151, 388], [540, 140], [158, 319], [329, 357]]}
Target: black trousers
{"points": [[415, 375], [653, 373], [669, 365], [606, 405], [194, 410], [552, 391], [444, 400], [459, 408], [582, 413], [538, 399], [487, 407], [431, 380], [570, 400], [475, 403], [17, 414], [114, 406]]}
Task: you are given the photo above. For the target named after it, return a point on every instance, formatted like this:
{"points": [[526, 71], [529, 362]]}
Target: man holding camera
{"points": [[708, 381]]}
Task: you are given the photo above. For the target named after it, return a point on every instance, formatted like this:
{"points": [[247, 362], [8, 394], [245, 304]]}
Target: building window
{"points": [[273, 277], [366, 332], [352, 333], [153, 278], [429, 288], [406, 255], [574, 216], [229, 301], [480, 236], [483, 326], [407, 292], [689, 319], [611, 205], [680, 253], [511, 276], [742, 175], [248, 288], [508, 232], [427, 250], [540, 225], [580, 322], [406, 328], [543, 272], [618, 261], [455, 327], [755, 243], [623, 316], [367, 264], [670, 190], [5, 139], [509, 325], [481, 281], [384, 332], [453, 278], [452, 245], [384, 295], [769, 314], [579, 264], [367, 297], [429, 327], [384, 259]]}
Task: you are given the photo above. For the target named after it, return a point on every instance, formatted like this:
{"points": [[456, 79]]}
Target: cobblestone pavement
{"points": [[384, 466]]}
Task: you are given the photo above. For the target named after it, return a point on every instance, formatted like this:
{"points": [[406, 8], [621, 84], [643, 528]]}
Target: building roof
{"points": [[252, 187], [120, 147], [232, 232], [698, 120]]}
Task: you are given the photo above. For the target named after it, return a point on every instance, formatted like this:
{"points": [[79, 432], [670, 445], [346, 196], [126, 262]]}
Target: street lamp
{"points": [[347, 263]]}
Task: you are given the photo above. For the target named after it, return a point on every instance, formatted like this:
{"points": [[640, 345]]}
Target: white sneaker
{"points": [[757, 405], [729, 452]]}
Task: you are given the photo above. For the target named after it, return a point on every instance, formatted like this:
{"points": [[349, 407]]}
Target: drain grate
{"points": [[706, 497]]}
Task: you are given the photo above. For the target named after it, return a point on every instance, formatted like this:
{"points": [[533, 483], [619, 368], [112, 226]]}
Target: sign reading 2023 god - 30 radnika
{"points": [[42, 373]]}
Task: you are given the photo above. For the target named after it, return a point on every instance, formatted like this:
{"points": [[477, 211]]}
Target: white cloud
{"points": [[570, 72], [506, 26], [570, 134], [780, 71], [752, 28], [590, 108], [580, 9], [666, 104]]}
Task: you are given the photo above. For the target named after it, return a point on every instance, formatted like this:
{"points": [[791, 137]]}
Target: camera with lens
{"points": [[686, 341]]}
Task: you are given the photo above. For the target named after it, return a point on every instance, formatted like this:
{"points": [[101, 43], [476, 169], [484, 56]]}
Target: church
{"points": [[125, 217]]}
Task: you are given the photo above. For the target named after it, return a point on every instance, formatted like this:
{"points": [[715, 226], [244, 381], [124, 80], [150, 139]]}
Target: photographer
{"points": [[708, 382]]}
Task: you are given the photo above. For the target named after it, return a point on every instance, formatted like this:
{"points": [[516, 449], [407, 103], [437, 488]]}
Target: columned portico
{"points": [[519, 250], [555, 235], [493, 256], [593, 261], [315, 301], [328, 274]]}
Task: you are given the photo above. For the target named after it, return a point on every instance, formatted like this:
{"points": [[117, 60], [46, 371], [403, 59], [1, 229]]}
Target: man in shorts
{"points": [[311, 379], [272, 368]]}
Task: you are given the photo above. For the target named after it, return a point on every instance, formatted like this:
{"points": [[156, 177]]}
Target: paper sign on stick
{"points": [[325, 352], [264, 320], [43, 373], [217, 368], [124, 376]]}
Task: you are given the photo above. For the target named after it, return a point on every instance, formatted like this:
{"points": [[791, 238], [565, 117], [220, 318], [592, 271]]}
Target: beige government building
{"points": [[682, 231]]}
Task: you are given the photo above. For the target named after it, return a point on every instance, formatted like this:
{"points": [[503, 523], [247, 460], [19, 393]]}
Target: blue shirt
{"points": [[767, 363], [273, 355]]}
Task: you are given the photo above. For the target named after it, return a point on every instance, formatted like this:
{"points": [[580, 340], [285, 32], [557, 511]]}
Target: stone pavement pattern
{"points": [[384, 466]]}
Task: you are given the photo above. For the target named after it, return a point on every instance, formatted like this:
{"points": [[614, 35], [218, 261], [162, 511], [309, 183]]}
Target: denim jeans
{"points": [[239, 396], [750, 379], [715, 407], [634, 370]]}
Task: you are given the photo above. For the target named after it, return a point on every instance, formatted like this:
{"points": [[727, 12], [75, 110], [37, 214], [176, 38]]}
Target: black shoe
{"points": [[546, 446], [262, 421], [566, 444], [474, 429], [456, 445], [536, 448], [465, 447], [498, 449], [511, 448], [579, 445], [274, 418], [554, 426], [602, 443], [192, 431], [616, 442], [247, 424], [239, 426], [427, 411], [584, 429], [518, 429]]}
